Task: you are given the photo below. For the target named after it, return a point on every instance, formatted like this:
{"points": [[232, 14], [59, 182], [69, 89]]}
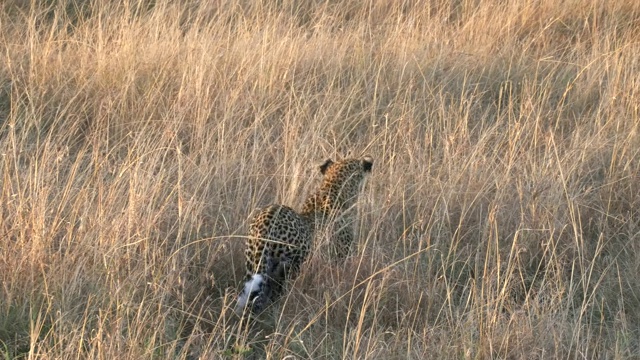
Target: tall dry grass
{"points": [[501, 220]]}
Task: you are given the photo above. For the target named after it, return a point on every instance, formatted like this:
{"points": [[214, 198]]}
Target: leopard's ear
{"points": [[325, 166], [367, 163]]}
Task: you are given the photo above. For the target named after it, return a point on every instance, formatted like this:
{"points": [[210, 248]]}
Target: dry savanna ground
{"points": [[501, 220]]}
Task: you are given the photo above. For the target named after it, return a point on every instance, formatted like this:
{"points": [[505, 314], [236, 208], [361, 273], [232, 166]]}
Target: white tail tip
{"points": [[250, 287]]}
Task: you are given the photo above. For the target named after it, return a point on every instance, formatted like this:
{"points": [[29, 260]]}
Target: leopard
{"points": [[281, 238]]}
